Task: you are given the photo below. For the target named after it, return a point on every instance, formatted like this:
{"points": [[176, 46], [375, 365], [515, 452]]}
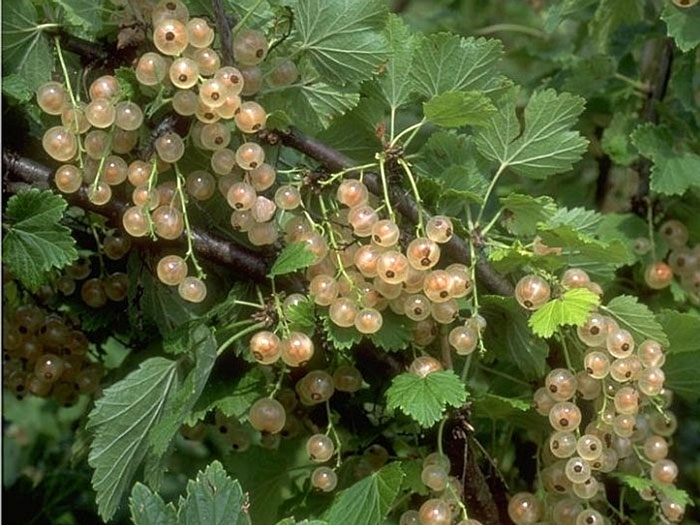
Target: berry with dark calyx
{"points": [[532, 292]]}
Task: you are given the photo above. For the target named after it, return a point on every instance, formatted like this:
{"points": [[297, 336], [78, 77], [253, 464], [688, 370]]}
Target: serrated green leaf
{"points": [[445, 62], [515, 256], [609, 15], [85, 15], [312, 107], [425, 398], [148, 508], [126, 76], [120, 423], [572, 308], [636, 317], [342, 38], [517, 344], [395, 83], [232, 396], [26, 50], [412, 481], [588, 75], [682, 375], [639, 484], [459, 108], [16, 86], [546, 145], [463, 182], [183, 401], [35, 242], [682, 330], [394, 335], [499, 407], [526, 211], [368, 501], [355, 133], [673, 172], [302, 316], [340, 337], [213, 498], [556, 13], [580, 219], [683, 26], [293, 257]]}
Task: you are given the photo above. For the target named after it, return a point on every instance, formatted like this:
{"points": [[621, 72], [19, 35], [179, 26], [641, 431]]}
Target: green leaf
{"points": [[25, 49], [126, 76], [147, 507], [120, 422], [516, 412], [640, 484], [637, 318], [674, 172], [682, 330], [178, 409], [516, 344], [609, 15], [616, 139], [394, 335], [355, 133], [445, 62], [293, 257], [342, 38], [86, 15], [368, 501], [463, 182], [682, 376], [232, 396], [683, 25], [341, 338], [302, 317], [16, 86], [588, 75], [584, 221], [459, 108], [35, 242], [516, 256], [292, 521], [546, 145], [311, 107], [395, 84], [213, 498], [572, 308], [526, 211], [425, 398]]}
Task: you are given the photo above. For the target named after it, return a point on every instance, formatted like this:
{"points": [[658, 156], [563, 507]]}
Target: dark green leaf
{"points": [[682, 330], [682, 375], [367, 502], [525, 211], [341, 338], [637, 318], [293, 257], [232, 396], [395, 84], [683, 25], [85, 15], [459, 108], [395, 334], [36, 242], [147, 507], [639, 484]]}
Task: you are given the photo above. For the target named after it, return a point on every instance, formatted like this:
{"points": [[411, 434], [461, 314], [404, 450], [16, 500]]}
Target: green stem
{"points": [[465, 368], [339, 174], [278, 384], [510, 28], [420, 228], [334, 246], [650, 226], [100, 249], [245, 18], [411, 129], [503, 375], [565, 349], [180, 178], [247, 303], [98, 175], [490, 189], [441, 430], [636, 84], [385, 188], [73, 101], [152, 179], [278, 309], [237, 336], [392, 124], [336, 437], [492, 222]]}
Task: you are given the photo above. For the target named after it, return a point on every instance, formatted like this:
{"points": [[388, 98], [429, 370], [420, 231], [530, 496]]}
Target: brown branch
{"points": [[457, 249], [223, 25], [247, 263]]}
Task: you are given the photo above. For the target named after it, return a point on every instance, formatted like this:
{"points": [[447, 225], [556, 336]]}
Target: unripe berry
{"points": [[93, 294], [658, 275], [347, 379], [575, 278]]}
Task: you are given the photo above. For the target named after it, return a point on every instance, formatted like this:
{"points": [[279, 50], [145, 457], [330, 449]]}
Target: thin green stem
{"points": [[472, 270], [636, 84], [465, 368], [420, 228], [492, 222], [100, 166], [336, 437], [278, 309], [392, 125], [565, 349], [235, 337], [180, 180], [441, 430], [489, 190], [73, 100], [152, 179], [650, 226], [100, 249], [385, 187], [278, 384], [503, 375], [339, 174], [247, 303], [245, 18], [510, 28], [410, 129]]}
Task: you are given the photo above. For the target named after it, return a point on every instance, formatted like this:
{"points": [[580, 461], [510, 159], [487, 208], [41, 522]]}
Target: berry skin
{"points": [[561, 384], [594, 331], [135, 221], [524, 508], [417, 307], [362, 218], [347, 379], [208, 61], [320, 448], [101, 113], [620, 343], [565, 416], [352, 193], [185, 103], [265, 347], [151, 69], [461, 280], [342, 312], [52, 98], [463, 339], [385, 233], [575, 278], [435, 512], [168, 222], [192, 289], [423, 253], [116, 286], [183, 73], [249, 47], [437, 286], [251, 117], [48, 368], [562, 444], [106, 86], [262, 177], [128, 116], [532, 292], [297, 349], [424, 365], [93, 293], [213, 93], [287, 197], [267, 415], [199, 33], [658, 275], [324, 479], [324, 289], [589, 447], [655, 448], [241, 196], [201, 185], [392, 267], [596, 364], [264, 209], [170, 37], [368, 321], [249, 156], [68, 178], [170, 147], [60, 143], [439, 229], [171, 270]]}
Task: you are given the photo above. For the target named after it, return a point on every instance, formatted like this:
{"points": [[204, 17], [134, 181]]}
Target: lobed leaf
{"points": [[572, 308], [293, 257], [637, 318], [459, 108]]}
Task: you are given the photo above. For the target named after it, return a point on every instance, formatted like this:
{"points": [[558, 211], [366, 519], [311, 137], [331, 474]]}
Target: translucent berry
{"points": [[368, 321], [320, 448], [435, 512], [264, 210], [287, 197], [251, 117], [170, 147], [267, 415], [151, 69], [362, 218], [445, 312], [249, 47], [232, 78], [562, 444], [192, 289], [597, 364], [423, 253], [565, 416], [385, 233], [574, 278], [116, 286], [68, 178], [532, 292], [347, 379], [620, 343], [135, 221], [424, 365], [114, 170], [658, 275], [199, 33], [297, 349], [461, 280], [342, 312], [439, 229], [324, 479], [101, 113], [437, 286], [93, 293], [170, 37], [60, 143], [525, 508], [463, 339], [594, 331], [250, 155], [52, 98], [352, 193], [168, 222], [265, 347], [434, 477], [241, 196], [655, 448], [171, 270]]}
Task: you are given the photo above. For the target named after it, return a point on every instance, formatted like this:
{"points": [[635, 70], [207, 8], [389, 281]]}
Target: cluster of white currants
{"points": [[624, 385], [46, 356], [682, 260]]}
